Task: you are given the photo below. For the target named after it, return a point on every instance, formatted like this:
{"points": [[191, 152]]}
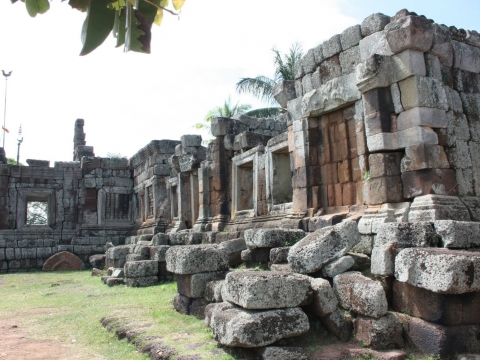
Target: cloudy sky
{"points": [[128, 99]]}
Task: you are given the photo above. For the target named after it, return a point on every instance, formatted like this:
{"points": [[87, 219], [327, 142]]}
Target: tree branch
{"points": [[161, 7]]}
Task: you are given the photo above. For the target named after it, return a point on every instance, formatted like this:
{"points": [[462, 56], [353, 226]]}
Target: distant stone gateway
{"points": [[362, 199]]}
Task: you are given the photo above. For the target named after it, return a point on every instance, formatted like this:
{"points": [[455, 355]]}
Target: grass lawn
{"points": [[67, 307]]}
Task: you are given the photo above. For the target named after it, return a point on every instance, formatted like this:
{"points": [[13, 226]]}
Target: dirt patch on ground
{"points": [[18, 344]]}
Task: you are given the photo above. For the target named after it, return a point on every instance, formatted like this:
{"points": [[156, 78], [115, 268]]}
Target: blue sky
{"points": [[128, 99]]}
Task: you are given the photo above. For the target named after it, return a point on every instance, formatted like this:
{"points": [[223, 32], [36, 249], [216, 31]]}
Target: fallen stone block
{"points": [[281, 267], [134, 257], [157, 253], [284, 91], [113, 281], [440, 340], [160, 239], [337, 266], [439, 270], [97, 261], [360, 294], [265, 289], [63, 261], [141, 281], [338, 325], [382, 333], [193, 286], [213, 291], [353, 351], [270, 238], [193, 259], [438, 308], [182, 303], [324, 301], [279, 255], [318, 248], [402, 235], [361, 262], [260, 255], [283, 353], [137, 269], [197, 308], [186, 238], [458, 234], [234, 326], [233, 248]]}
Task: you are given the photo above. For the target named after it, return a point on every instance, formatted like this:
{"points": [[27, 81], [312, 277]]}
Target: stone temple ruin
{"points": [[362, 199]]}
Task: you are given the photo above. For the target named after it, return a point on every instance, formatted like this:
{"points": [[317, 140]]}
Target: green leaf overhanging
{"points": [[264, 112], [97, 26], [260, 87]]}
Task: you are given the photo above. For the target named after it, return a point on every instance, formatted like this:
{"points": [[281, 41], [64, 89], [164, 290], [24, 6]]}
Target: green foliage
{"points": [[262, 86], [12, 161], [366, 176], [115, 156], [129, 20]]}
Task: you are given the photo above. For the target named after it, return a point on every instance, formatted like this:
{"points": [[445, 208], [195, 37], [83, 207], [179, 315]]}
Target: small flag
{"points": [[5, 129]]}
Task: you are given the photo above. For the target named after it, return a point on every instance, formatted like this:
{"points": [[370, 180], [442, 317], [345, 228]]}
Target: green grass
{"points": [[67, 307]]}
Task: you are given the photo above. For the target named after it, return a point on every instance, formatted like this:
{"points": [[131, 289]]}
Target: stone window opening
{"points": [[282, 190], [150, 202], [37, 212], [245, 186], [174, 197]]}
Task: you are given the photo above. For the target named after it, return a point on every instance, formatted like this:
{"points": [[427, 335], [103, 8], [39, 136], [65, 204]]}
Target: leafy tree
{"points": [[130, 21], [115, 156], [37, 213], [227, 110], [262, 86], [12, 161]]}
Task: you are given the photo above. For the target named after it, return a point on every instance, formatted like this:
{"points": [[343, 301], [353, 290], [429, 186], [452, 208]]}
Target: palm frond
{"points": [[260, 87], [264, 112], [285, 67]]}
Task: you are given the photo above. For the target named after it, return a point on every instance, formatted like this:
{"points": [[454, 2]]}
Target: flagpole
{"points": [[4, 129]]}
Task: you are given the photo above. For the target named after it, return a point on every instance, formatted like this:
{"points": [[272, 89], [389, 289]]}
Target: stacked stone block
{"points": [[194, 267], [259, 308]]}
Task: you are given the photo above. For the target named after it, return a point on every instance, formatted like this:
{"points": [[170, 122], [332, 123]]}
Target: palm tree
{"points": [[227, 110], [262, 86]]}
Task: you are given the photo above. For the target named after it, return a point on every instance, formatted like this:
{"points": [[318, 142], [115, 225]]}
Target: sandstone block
{"points": [[442, 45], [422, 116], [136, 269], [265, 290], [382, 333], [382, 142], [409, 32], [233, 248], [338, 325], [324, 300], [284, 91], [384, 189], [338, 266], [193, 286], [351, 37], [63, 260], [268, 238], [384, 164], [213, 291], [424, 156], [193, 259], [365, 245], [403, 235], [437, 207], [182, 303], [284, 353], [439, 270], [374, 44], [438, 308], [421, 91], [261, 255], [224, 126], [374, 23], [157, 253], [361, 294], [415, 136], [429, 181], [160, 239], [141, 281], [466, 57], [279, 255], [331, 95], [331, 47], [440, 340], [349, 59], [308, 62], [318, 248], [233, 326], [458, 234]]}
